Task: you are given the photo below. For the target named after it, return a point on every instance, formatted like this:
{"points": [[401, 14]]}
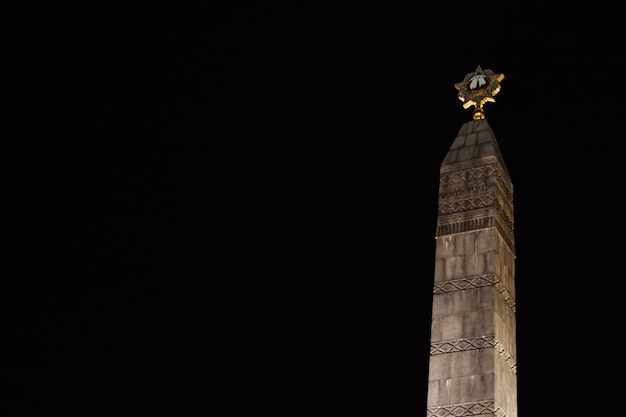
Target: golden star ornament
{"points": [[478, 88]]}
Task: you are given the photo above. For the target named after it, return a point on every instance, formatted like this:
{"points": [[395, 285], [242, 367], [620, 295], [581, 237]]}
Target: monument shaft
{"points": [[472, 367]]}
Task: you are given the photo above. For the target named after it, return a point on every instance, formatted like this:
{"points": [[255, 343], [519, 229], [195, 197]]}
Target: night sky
{"points": [[232, 210]]}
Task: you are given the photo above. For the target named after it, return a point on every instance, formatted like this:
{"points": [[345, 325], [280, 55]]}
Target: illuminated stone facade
{"points": [[473, 368]]}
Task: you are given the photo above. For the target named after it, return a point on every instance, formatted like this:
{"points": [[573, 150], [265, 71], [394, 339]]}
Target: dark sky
{"points": [[231, 211]]}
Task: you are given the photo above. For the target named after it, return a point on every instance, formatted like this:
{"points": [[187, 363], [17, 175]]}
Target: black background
{"points": [[231, 210]]}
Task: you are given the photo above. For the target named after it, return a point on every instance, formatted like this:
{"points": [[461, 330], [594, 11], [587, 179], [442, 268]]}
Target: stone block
{"points": [[466, 153], [459, 243], [474, 264], [436, 330], [459, 142], [477, 323], [491, 260], [464, 241], [476, 388], [462, 326], [485, 136], [471, 362], [461, 390], [451, 326], [486, 149], [506, 388], [470, 139], [461, 302], [450, 391], [439, 366], [432, 398], [439, 270], [442, 305], [454, 267], [505, 332], [452, 156], [485, 240], [445, 246]]}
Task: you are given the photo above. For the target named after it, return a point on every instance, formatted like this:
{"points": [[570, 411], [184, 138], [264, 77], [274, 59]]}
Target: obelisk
{"points": [[472, 367]]}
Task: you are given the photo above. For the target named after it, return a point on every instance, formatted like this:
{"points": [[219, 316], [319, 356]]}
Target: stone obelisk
{"points": [[472, 367]]}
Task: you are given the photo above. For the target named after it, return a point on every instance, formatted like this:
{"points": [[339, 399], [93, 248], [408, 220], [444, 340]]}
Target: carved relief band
{"points": [[467, 409], [473, 343], [491, 171], [470, 203], [464, 283], [460, 345], [464, 226], [478, 281]]}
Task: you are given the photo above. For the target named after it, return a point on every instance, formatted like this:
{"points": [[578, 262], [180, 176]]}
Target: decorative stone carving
{"points": [[470, 203], [464, 283], [505, 294], [467, 283], [464, 226], [490, 171], [467, 409], [506, 356], [459, 345], [473, 343]]}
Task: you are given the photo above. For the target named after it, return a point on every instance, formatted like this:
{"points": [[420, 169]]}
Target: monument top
{"points": [[478, 88]]}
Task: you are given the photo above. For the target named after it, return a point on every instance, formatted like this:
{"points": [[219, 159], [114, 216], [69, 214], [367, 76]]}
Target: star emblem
{"points": [[478, 88]]}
